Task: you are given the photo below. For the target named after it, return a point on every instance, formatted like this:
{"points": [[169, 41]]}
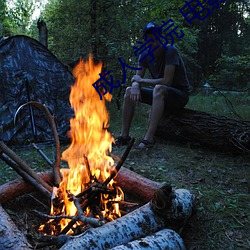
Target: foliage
{"points": [[232, 72], [224, 35], [4, 25], [214, 49]]}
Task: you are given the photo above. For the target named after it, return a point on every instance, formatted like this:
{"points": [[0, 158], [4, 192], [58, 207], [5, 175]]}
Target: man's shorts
{"points": [[175, 99]]}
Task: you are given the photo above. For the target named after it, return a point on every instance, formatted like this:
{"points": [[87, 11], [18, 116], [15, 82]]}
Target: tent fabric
{"points": [[29, 71]]}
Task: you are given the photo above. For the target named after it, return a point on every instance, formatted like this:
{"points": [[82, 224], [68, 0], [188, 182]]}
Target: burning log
{"points": [[163, 239], [216, 132], [10, 237], [165, 210]]}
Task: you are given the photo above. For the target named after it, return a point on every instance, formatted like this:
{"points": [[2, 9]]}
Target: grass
{"points": [[234, 106], [219, 180]]}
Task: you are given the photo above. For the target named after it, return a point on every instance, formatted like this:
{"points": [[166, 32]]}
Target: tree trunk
{"points": [[212, 131], [43, 32], [10, 237]]}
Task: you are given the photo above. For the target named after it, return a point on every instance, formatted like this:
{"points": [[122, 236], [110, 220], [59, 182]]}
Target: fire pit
{"points": [[86, 198]]}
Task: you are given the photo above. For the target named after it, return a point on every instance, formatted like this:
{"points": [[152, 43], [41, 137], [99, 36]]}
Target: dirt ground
{"points": [[220, 182]]}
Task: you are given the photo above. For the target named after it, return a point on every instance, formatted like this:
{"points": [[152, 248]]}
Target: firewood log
{"points": [[18, 187], [137, 185], [10, 237], [131, 182], [208, 130], [163, 239], [166, 208]]}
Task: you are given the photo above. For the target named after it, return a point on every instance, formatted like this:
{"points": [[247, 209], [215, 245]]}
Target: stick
{"points": [[24, 166], [120, 163], [25, 176], [32, 118], [42, 154]]}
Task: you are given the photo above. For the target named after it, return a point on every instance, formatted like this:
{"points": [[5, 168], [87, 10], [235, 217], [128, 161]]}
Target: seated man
{"points": [[169, 87]]}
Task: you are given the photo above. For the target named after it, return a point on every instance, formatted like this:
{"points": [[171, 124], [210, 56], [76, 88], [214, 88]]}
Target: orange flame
{"points": [[90, 138]]}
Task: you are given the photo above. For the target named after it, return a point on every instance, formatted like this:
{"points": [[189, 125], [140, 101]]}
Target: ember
{"points": [[87, 188]]}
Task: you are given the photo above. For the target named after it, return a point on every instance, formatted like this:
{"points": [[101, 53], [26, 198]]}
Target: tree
{"points": [[20, 16], [4, 22], [223, 34]]}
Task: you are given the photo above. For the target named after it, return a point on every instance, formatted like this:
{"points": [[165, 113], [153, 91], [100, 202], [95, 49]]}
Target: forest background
{"points": [[216, 50]]}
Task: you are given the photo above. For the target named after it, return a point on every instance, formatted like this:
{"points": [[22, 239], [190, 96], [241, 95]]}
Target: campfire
{"points": [[87, 188], [87, 198]]}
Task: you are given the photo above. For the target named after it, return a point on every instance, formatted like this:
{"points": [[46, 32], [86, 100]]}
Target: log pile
{"points": [[212, 131], [163, 208], [166, 209]]}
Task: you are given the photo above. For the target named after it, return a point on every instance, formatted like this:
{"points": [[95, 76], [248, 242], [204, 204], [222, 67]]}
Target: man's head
{"points": [[149, 28]]}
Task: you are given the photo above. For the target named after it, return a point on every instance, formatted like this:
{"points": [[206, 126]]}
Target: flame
{"points": [[88, 155]]}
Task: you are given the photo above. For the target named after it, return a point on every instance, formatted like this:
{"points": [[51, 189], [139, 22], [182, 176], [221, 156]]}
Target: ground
{"points": [[219, 180]]}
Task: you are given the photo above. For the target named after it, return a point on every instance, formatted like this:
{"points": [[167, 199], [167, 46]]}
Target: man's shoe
{"points": [[146, 144], [121, 141]]}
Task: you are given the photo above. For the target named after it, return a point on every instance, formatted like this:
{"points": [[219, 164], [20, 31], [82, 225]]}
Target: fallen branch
{"points": [[120, 163], [132, 183], [136, 185]]}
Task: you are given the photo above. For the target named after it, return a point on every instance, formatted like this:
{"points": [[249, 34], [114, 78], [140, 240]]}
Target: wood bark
{"points": [[136, 185], [165, 210], [18, 187], [212, 131], [10, 237], [163, 239], [139, 223], [43, 32], [131, 182]]}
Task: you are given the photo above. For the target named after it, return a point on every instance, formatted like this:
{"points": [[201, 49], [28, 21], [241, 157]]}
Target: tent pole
{"points": [[33, 125]]}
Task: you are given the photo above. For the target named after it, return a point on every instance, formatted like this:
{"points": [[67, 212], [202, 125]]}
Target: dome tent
{"points": [[29, 71]]}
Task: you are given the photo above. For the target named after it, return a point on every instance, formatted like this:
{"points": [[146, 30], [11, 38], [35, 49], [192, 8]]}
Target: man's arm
{"points": [[135, 93], [167, 79]]}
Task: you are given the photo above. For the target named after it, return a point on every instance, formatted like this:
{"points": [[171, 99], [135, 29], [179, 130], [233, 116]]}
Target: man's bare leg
{"points": [[128, 110], [156, 113]]}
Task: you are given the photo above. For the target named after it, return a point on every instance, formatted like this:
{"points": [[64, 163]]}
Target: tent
{"points": [[30, 72]]}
